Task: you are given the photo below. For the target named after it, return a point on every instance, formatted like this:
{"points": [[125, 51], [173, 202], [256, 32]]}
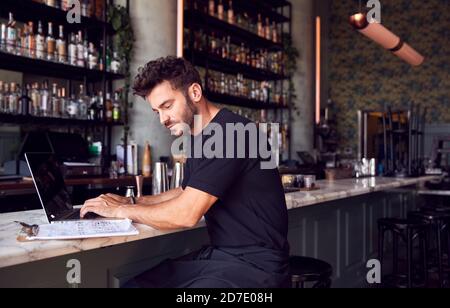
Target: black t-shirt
{"points": [[251, 210]]}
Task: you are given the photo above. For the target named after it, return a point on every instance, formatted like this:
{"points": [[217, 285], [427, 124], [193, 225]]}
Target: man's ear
{"points": [[195, 93]]}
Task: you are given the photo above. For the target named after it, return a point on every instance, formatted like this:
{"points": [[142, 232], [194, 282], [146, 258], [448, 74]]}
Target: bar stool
{"points": [[408, 230], [305, 270], [439, 221]]}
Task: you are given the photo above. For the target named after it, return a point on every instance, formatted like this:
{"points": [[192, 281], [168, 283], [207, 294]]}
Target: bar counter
{"points": [[122, 257]]}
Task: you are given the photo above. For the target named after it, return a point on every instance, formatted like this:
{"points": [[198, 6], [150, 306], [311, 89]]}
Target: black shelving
{"points": [[241, 101], [267, 8], [46, 121], [52, 69], [215, 62], [27, 10], [199, 19]]}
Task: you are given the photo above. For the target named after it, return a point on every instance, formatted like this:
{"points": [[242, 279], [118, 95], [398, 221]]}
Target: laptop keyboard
{"points": [[76, 216]]}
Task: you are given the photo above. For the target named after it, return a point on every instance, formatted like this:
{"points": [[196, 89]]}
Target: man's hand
{"points": [[105, 206]]}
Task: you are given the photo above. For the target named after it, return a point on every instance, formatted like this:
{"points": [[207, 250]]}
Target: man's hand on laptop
{"points": [[106, 206]]}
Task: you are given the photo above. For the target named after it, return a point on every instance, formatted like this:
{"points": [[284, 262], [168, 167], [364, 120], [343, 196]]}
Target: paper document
{"points": [[82, 229]]}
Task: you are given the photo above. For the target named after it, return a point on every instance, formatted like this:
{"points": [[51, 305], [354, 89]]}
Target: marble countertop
{"points": [[13, 252]]}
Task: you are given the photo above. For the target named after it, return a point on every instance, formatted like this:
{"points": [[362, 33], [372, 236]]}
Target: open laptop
{"points": [[45, 169]]}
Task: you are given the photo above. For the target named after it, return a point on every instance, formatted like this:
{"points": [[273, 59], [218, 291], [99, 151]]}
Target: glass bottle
{"points": [[40, 43], [115, 63], [109, 108], [45, 101], [51, 43], [11, 34], [61, 46], [56, 105], [117, 113], [82, 103]]}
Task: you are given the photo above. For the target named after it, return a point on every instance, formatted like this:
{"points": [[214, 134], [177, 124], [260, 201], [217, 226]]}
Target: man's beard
{"points": [[190, 112]]}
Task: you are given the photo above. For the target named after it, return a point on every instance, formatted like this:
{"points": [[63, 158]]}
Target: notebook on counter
{"points": [[78, 229]]}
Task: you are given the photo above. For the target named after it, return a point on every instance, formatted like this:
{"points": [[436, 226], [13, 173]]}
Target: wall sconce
{"points": [[381, 35]]}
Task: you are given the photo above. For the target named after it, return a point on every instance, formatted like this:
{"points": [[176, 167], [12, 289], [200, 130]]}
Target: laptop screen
{"points": [[49, 182]]}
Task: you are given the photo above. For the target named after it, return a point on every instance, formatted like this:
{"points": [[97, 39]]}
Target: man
{"points": [[243, 204]]}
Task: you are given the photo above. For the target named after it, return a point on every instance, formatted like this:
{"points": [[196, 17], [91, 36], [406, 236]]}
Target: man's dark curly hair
{"points": [[179, 72]]}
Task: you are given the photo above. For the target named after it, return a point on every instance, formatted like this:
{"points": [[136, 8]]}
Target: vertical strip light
{"points": [[318, 68], [180, 28]]}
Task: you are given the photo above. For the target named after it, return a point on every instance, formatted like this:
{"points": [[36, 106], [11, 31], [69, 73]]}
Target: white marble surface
{"points": [[341, 189], [13, 252]]}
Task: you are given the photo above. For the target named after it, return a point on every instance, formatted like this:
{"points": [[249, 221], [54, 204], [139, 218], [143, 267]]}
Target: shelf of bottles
{"points": [[73, 55], [239, 91], [221, 52], [41, 103], [238, 47]]}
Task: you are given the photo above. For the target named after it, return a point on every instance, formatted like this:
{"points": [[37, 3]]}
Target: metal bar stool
{"points": [[407, 230], [439, 220], [305, 270]]}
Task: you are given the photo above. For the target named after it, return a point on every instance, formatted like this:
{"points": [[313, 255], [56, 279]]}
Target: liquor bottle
{"points": [[61, 46], [117, 114], [268, 32], [212, 7], [13, 99], [18, 42], [3, 37], [11, 35], [51, 43], [220, 10], [80, 49], [260, 26], [213, 44], [24, 41], [45, 100], [109, 108], [115, 63], [73, 51], [31, 38], [101, 106], [93, 109], [93, 59], [6, 98], [63, 103], [25, 100], [275, 37], [82, 104], [36, 100], [40, 43], [56, 105], [72, 107], [230, 12], [85, 50]]}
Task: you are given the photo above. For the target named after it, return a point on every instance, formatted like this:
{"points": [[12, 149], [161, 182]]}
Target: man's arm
{"points": [[151, 200], [145, 200], [184, 211]]}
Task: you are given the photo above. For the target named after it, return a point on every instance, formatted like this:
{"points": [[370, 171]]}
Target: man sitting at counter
{"points": [[243, 204]]}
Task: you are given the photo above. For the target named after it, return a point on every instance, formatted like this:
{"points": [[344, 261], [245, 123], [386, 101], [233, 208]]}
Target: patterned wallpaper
{"points": [[364, 76]]}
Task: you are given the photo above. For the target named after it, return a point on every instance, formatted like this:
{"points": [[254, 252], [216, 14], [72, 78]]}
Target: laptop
{"points": [[45, 170]]}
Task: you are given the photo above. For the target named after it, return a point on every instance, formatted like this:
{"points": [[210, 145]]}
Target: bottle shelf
{"points": [[53, 69], [238, 101], [203, 21], [27, 119], [217, 63], [27, 10]]}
